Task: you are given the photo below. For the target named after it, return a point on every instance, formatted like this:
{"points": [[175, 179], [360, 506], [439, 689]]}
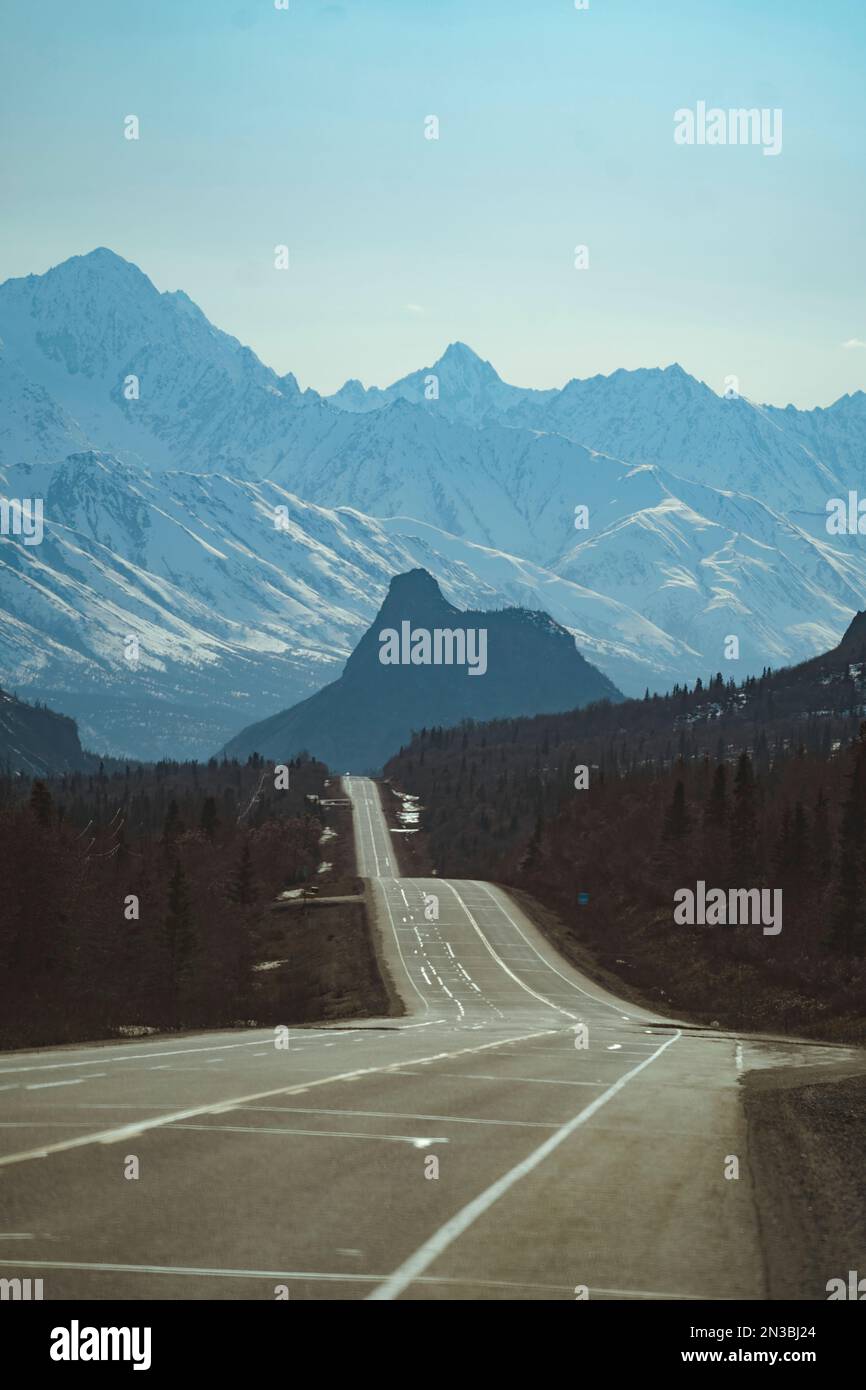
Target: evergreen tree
{"points": [[848, 919], [801, 846], [172, 826], [179, 932], [716, 810], [242, 888], [676, 822], [209, 817], [41, 804], [532, 854], [822, 842], [744, 824], [782, 856]]}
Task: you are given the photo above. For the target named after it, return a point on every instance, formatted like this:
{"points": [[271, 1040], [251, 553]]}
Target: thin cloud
{"points": [[854, 343]]}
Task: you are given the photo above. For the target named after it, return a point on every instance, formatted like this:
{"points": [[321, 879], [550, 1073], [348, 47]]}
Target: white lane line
{"points": [[44, 1085], [616, 1007], [367, 807], [500, 962], [137, 1127], [319, 1276], [149, 1056], [372, 836], [418, 1141], [516, 1080], [400, 1115], [424, 1000], [468, 1215], [37, 1123]]}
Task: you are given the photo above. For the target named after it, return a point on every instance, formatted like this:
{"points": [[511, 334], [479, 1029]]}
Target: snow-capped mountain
{"points": [[144, 375], [242, 598], [458, 386], [705, 516], [792, 459]]}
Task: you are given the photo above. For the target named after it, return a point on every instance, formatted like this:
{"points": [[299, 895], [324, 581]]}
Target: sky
{"points": [[305, 127]]}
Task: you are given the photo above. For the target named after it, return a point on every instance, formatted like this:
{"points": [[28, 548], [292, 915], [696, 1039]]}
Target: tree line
{"points": [[603, 814], [132, 898]]}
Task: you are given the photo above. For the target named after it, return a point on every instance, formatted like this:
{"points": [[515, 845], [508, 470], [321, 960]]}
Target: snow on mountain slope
{"points": [[509, 489], [665, 417], [789, 458], [33, 427], [236, 615], [706, 516], [458, 386], [783, 601], [86, 326]]}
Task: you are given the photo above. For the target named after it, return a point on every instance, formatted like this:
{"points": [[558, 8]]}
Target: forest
{"points": [[133, 899], [601, 815]]}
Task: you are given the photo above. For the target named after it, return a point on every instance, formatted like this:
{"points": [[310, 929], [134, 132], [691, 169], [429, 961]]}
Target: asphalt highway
{"points": [[519, 1134]]}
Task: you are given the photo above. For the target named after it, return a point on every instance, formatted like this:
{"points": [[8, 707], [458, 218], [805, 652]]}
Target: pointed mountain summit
{"points": [[143, 374], [424, 663], [459, 385], [853, 643], [458, 359]]}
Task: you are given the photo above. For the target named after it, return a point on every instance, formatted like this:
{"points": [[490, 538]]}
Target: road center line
{"points": [[453, 1229]]}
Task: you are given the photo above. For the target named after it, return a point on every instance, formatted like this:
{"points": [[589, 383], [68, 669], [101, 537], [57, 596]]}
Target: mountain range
{"points": [[163, 449]]}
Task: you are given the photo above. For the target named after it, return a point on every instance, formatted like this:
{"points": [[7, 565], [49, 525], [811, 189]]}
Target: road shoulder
{"points": [[807, 1151]]}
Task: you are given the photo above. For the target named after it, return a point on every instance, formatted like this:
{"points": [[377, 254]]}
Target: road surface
{"points": [[519, 1133]]}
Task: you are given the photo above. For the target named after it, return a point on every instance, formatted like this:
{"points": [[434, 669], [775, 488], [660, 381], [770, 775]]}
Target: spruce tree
{"points": [[801, 845], [744, 824], [676, 822], [41, 804], [209, 817], [716, 810], [822, 842], [848, 916], [242, 888], [179, 933], [172, 826]]}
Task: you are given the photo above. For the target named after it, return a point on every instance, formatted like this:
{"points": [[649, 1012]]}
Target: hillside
{"points": [[761, 784], [35, 741], [531, 664]]}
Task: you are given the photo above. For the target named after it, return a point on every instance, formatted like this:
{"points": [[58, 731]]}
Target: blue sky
{"points": [[306, 127]]}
